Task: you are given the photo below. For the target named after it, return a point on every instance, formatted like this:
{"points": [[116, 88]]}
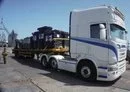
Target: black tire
{"points": [[87, 71], [16, 54], [44, 62], [53, 63], [32, 56]]}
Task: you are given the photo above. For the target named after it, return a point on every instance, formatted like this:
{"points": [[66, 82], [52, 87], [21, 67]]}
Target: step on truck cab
{"points": [[97, 44]]}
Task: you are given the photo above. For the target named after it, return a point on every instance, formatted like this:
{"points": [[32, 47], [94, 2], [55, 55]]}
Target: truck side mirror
{"points": [[102, 32]]}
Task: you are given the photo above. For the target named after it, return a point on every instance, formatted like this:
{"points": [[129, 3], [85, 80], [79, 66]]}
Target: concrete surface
{"points": [[25, 75]]}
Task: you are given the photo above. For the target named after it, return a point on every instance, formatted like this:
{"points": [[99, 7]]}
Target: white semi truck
{"points": [[98, 45]]}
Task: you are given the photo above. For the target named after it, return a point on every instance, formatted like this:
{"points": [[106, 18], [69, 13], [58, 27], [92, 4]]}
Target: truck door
{"points": [[99, 46]]}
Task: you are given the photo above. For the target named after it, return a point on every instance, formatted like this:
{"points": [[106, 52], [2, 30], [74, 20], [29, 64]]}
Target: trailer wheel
{"points": [[53, 63], [44, 62], [16, 54], [32, 56], [87, 72]]}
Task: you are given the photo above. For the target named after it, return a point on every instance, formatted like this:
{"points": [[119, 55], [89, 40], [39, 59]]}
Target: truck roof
{"points": [[111, 8], [94, 8]]}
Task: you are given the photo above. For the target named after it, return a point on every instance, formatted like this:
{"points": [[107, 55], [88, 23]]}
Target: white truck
{"points": [[98, 45]]}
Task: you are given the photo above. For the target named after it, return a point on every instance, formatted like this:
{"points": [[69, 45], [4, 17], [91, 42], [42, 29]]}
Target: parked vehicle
{"points": [[97, 44]]}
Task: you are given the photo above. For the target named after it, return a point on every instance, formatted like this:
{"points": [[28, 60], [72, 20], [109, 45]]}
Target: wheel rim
{"points": [[85, 72], [53, 63], [44, 63]]}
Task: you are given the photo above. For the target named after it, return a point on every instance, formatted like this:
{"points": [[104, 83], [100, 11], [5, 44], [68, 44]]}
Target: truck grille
{"points": [[122, 54]]}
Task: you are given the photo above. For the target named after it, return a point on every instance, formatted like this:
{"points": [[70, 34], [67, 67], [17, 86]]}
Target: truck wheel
{"points": [[32, 56], [87, 71], [16, 55], [53, 63], [44, 62]]}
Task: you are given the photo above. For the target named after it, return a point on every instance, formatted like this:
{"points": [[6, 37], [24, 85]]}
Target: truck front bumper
{"points": [[113, 75]]}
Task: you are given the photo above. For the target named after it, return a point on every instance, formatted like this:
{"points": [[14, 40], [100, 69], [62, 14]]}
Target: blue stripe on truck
{"points": [[102, 76], [87, 40], [102, 67]]}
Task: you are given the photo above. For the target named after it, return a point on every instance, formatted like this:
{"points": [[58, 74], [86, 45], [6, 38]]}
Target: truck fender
{"points": [[57, 57], [45, 55]]}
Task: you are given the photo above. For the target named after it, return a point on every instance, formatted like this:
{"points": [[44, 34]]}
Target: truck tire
{"points": [[16, 54], [44, 62], [87, 71], [32, 56], [53, 63]]}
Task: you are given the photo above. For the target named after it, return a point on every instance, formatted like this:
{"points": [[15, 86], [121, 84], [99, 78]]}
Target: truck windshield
{"points": [[118, 32]]}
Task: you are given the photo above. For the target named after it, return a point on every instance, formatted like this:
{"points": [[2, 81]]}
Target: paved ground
{"points": [[20, 75]]}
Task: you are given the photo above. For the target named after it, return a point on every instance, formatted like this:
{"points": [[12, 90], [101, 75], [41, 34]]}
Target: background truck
{"points": [[95, 47]]}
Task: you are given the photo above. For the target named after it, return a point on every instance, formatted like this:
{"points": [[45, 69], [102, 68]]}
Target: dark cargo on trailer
{"points": [[44, 34], [35, 39]]}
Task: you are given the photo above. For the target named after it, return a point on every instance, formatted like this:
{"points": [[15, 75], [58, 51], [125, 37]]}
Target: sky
{"points": [[25, 16]]}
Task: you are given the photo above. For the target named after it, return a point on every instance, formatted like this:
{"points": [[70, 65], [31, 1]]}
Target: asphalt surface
{"points": [[25, 75]]}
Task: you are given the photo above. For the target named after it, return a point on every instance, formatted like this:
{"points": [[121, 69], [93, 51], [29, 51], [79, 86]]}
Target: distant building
{"points": [[11, 39]]}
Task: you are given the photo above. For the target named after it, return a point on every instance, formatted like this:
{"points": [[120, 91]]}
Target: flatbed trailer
{"points": [[31, 52]]}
